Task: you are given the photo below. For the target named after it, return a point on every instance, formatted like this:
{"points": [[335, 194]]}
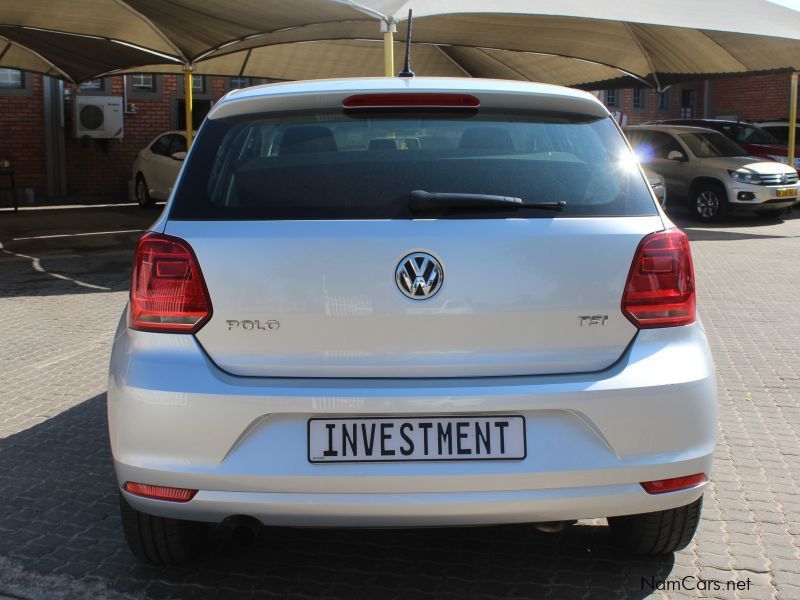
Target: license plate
{"points": [[787, 193], [389, 439]]}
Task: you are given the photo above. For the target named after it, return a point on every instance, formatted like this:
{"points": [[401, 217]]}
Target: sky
{"points": [[795, 4]]}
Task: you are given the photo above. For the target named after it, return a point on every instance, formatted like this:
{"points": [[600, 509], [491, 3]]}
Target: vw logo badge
{"points": [[419, 276]]}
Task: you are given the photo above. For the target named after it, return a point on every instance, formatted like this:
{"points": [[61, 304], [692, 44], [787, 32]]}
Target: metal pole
{"points": [[388, 29], [187, 88], [792, 119]]}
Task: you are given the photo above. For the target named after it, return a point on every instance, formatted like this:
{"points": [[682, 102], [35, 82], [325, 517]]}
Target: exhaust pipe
{"points": [[244, 529], [553, 526]]}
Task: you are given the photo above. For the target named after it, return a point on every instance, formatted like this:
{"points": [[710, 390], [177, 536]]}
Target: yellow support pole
{"points": [[388, 48], [792, 119], [187, 88]]}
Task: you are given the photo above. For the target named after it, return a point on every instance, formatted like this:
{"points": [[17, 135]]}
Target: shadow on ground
{"points": [[759, 228], [58, 514]]}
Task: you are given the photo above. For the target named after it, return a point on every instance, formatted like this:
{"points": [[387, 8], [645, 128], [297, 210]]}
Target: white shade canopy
{"points": [[652, 39], [364, 58]]}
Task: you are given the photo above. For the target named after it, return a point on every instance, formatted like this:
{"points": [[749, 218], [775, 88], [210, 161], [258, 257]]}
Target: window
{"points": [[781, 133], [200, 108], [299, 166], [711, 145], [750, 134], [93, 85], [239, 82], [178, 144], [650, 145], [687, 104], [12, 79], [663, 100], [638, 97], [198, 84], [611, 97], [143, 83], [162, 145]]}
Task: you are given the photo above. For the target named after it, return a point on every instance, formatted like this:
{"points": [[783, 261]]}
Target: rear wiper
{"points": [[420, 201]]}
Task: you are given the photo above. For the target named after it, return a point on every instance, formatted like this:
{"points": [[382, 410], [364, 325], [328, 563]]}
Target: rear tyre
{"points": [[158, 540], [709, 202], [661, 532], [143, 198]]}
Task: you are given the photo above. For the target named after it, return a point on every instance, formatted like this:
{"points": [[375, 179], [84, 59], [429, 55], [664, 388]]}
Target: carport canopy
{"points": [[662, 42]]}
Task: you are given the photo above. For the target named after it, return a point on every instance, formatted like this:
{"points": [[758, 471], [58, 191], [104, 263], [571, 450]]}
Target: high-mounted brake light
{"points": [[662, 486], [660, 287], [411, 100], [159, 492], [168, 293]]}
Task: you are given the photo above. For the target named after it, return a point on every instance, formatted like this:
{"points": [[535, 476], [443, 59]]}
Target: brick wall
{"points": [[750, 98], [103, 167], [22, 136], [93, 167], [650, 109], [759, 97]]}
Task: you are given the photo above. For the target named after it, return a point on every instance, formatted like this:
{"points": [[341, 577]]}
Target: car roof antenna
{"points": [[407, 72]]}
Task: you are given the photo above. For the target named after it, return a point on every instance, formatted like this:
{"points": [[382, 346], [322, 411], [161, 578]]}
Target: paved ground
{"points": [[60, 537]]}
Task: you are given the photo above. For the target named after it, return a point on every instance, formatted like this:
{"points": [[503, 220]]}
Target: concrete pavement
{"points": [[60, 537]]}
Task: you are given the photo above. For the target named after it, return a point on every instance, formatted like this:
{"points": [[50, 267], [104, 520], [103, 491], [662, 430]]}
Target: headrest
{"points": [[307, 138]]}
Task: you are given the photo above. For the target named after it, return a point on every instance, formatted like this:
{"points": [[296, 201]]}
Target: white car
{"points": [[714, 174], [658, 185], [157, 166], [400, 302], [780, 131]]}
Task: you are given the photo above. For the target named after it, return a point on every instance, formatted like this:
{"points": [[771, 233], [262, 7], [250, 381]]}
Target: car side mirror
{"points": [[179, 156], [676, 155]]}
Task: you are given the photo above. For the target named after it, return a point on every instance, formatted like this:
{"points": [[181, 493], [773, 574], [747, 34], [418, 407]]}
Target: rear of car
{"points": [[409, 303], [156, 168]]}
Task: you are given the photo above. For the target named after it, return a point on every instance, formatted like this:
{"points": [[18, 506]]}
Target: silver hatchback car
{"points": [[410, 302]]}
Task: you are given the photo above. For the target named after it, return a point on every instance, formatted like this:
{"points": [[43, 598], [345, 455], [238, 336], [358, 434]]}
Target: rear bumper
{"points": [[177, 420], [429, 509]]}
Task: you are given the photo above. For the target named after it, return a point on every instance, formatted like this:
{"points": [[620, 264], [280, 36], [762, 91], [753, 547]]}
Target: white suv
{"points": [[713, 173], [410, 302]]}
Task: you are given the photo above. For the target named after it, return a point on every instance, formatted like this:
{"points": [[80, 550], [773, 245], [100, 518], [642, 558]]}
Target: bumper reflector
{"points": [[159, 492], [662, 486]]}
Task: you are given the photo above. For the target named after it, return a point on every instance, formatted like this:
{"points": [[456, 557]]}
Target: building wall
{"points": [[22, 135], [750, 98], [650, 108], [93, 167], [103, 167], [755, 98]]}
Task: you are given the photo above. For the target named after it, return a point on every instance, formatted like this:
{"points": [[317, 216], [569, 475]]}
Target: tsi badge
{"points": [[254, 325], [592, 320]]}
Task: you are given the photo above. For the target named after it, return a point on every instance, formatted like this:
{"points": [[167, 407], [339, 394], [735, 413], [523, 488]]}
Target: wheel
{"points": [[709, 202], [142, 194], [771, 213], [158, 540], [659, 532]]}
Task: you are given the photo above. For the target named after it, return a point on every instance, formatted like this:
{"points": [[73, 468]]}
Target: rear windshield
{"points": [[336, 165]]}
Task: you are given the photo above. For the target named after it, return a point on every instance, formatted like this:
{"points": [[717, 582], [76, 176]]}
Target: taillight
{"points": [[660, 287], [411, 100], [168, 293]]}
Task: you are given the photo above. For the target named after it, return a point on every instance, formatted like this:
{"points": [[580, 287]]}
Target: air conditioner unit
{"points": [[98, 117]]}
